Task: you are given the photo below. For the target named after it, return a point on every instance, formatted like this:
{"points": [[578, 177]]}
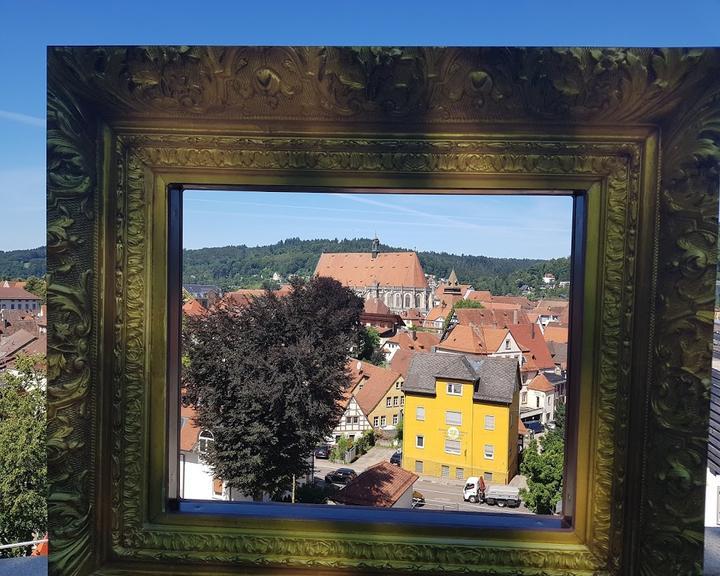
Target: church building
{"points": [[395, 278]]}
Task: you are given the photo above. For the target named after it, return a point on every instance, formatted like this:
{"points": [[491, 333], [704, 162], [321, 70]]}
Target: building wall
{"points": [[24, 305], [405, 501], [711, 499], [394, 410], [196, 481], [347, 425], [547, 403], [472, 435]]}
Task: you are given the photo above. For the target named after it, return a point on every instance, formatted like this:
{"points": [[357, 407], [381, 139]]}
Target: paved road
{"points": [[439, 494]]}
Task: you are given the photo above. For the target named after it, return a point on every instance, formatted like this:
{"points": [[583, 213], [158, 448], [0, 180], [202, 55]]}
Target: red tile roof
{"points": [[491, 317], [361, 269], [541, 384], [381, 485], [530, 337], [12, 293], [556, 334], [521, 428], [401, 360], [415, 340], [193, 308], [522, 301], [376, 306], [375, 380], [21, 341], [189, 432], [480, 296], [439, 312], [473, 339]]}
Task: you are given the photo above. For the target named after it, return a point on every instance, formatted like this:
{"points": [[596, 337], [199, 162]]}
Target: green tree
{"points": [[369, 346], [399, 429], [23, 467], [37, 286], [266, 380], [543, 465], [468, 304]]}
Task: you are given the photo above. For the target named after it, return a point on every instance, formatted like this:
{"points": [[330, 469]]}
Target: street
{"points": [[445, 494]]}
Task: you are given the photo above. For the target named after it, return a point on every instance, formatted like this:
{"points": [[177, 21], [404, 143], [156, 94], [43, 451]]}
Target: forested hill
{"points": [[21, 264], [243, 267]]}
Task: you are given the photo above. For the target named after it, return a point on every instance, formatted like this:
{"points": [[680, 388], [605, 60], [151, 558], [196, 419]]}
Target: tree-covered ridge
{"points": [[21, 264], [234, 267]]}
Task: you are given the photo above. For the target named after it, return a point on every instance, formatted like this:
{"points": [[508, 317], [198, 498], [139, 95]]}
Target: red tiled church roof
{"points": [[361, 269]]}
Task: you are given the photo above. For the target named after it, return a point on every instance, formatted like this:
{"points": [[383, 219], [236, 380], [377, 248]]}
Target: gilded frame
{"points": [[637, 130]]}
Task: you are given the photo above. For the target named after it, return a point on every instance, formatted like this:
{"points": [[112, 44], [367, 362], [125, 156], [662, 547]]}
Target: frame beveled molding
{"points": [[638, 130]]}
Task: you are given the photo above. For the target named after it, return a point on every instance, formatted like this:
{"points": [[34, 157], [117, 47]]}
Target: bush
{"points": [[337, 454], [311, 494], [365, 442]]}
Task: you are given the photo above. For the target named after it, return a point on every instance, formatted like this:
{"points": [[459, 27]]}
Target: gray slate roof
{"points": [[496, 379]]}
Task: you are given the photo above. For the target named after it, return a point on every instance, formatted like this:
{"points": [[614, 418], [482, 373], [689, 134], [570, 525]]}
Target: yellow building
{"points": [[461, 417]]}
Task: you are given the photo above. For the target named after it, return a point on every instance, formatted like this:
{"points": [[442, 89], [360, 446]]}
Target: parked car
{"points": [[551, 425], [396, 458], [322, 452], [340, 476], [474, 490], [535, 427], [417, 499], [503, 496]]}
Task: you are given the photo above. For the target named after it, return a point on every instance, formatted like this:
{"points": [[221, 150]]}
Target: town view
{"points": [[361, 369]]}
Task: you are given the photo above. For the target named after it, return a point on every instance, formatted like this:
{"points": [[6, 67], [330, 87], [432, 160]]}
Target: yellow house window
{"points": [[453, 418], [489, 451], [420, 413], [489, 422], [454, 389], [420, 441], [452, 446]]}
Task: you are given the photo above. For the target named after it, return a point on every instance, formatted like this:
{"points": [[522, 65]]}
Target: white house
{"points": [[537, 400], [352, 423]]}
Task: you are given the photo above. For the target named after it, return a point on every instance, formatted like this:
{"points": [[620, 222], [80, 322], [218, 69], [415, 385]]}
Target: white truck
{"points": [[503, 496], [476, 491]]}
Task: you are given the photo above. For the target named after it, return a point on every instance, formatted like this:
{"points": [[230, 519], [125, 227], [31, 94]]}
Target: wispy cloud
{"points": [[22, 118], [445, 220]]}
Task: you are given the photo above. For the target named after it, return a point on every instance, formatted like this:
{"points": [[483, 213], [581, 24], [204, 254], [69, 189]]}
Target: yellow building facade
{"points": [[454, 427]]}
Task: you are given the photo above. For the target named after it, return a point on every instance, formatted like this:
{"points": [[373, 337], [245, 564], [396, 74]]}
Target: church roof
{"points": [[361, 269]]}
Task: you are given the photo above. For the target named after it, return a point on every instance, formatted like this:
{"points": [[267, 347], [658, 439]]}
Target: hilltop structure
{"points": [[395, 278]]}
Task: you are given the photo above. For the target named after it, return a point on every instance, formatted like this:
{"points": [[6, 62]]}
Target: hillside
{"points": [[234, 267], [21, 264]]}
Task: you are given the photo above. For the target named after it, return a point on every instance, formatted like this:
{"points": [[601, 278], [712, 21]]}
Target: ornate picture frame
{"points": [[635, 133]]}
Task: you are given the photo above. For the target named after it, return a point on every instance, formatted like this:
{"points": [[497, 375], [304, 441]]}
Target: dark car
{"points": [[396, 458], [340, 476], [322, 452], [535, 427]]}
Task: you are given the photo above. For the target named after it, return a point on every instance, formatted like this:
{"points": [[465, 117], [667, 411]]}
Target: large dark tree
{"points": [[266, 380]]}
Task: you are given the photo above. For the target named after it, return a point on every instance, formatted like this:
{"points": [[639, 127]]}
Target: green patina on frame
{"points": [[637, 130]]}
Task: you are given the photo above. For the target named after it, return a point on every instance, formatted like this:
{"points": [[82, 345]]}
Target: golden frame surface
{"points": [[637, 132]]}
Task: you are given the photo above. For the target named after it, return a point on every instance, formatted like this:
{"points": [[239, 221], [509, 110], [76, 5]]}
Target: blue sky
{"points": [[28, 26], [500, 226]]}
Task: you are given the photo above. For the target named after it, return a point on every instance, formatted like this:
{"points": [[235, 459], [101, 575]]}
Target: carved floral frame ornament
{"points": [[635, 132]]}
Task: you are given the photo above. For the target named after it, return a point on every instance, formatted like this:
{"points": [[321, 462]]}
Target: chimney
{"points": [[375, 247], [514, 316], [414, 334]]}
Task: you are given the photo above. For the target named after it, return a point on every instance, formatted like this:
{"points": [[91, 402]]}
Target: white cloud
{"points": [[22, 118]]}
